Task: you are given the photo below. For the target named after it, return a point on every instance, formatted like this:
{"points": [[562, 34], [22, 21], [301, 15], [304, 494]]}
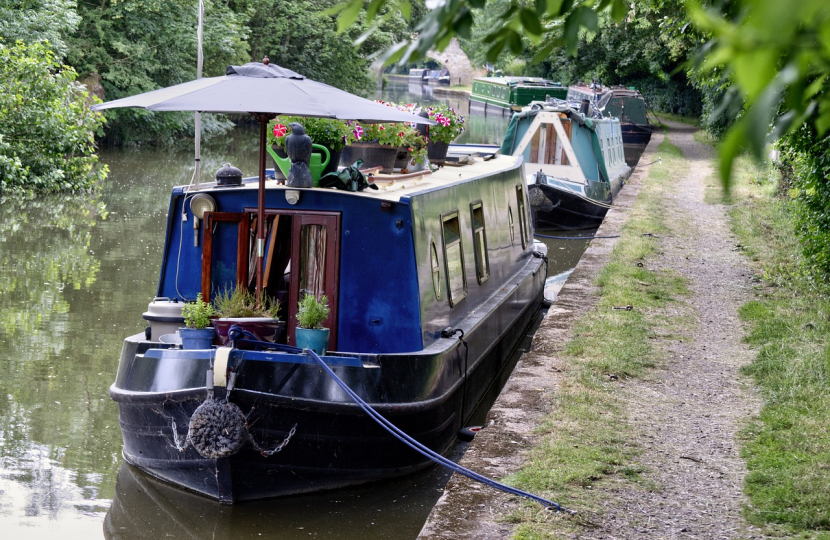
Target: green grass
{"points": [[586, 439], [787, 447]]}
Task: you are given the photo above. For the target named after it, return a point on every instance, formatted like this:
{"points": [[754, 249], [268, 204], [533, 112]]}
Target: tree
{"points": [[46, 126], [301, 36], [32, 21], [132, 46], [769, 52]]}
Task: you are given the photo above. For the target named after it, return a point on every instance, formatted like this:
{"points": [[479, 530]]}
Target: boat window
{"points": [[510, 222], [480, 242], [312, 260], [436, 271], [545, 146], [520, 197], [453, 258]]}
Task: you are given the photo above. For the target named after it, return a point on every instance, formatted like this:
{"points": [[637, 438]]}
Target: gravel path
{"points": [[684, 416], [687, 414]]}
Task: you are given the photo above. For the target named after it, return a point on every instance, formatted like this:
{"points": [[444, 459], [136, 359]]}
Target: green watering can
{"points": [[316, 166]]}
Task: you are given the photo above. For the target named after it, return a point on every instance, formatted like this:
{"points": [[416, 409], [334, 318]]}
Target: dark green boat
{"points": [[512, 93]]}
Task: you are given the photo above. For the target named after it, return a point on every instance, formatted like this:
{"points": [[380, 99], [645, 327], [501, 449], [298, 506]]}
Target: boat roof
{"points": [[510, 81], [394, 187]]}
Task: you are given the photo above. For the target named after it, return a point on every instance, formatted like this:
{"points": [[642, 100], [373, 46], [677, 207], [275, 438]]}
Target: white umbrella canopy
{"points": [[264, 90]]}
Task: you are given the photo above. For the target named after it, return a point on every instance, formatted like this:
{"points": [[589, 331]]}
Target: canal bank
{"points": [[675, 425]]}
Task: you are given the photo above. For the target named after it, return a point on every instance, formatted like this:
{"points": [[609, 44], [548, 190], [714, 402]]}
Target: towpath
{"points": [[684, 416]]}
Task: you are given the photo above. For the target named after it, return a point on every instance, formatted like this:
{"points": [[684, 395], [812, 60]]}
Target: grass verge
{"points": [[585, 439], [788, 447]]}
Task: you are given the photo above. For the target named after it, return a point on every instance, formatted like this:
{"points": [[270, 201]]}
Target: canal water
{"points": [[76, 273]]}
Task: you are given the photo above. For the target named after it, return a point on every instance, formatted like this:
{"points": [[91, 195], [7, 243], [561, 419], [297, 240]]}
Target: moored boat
{"points": [[408, 270], [509, 94], [575, 165], [627, 104]]}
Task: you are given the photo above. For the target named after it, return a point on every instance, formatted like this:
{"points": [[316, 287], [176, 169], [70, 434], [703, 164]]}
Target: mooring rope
{"points": [[432, 455]]}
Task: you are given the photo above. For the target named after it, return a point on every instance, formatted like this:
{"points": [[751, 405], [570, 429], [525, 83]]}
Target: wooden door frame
{"points": [[332, 268], [244, 220]]}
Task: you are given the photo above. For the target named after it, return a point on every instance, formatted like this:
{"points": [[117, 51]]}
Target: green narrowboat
{"points": [[512, 93]]}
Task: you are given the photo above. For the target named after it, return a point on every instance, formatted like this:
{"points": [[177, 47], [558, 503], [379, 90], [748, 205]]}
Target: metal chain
{"points": [[176, 441], [269, 453]]}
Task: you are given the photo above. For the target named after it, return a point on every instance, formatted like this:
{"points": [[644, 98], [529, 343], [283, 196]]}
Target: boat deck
{"points": [[393, 187]]}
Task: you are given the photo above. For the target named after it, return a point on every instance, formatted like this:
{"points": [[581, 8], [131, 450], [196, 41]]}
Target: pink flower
{"points": [[358, 132], [380, 127], [280, 130], [401, 134]]}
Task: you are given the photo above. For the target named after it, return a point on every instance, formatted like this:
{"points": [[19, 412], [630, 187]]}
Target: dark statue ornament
{"points": [[298, 148]]}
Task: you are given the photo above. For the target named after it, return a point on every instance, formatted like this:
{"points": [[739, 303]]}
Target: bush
{"points": [[46, 127], [807, 158]]}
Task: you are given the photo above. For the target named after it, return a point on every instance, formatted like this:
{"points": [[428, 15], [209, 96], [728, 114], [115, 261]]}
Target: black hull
{"points": [[563, 210], [336, 444], [636, 134]]}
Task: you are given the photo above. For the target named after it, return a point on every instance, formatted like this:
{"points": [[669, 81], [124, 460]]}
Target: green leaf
{"points": [[619, 10], [514, 39], [530, 22], [349, 15], [373, 8], [406, 9], [495, 49], [823, 121], [544, 52], [541, 6], [729, 150], [464, 24]]}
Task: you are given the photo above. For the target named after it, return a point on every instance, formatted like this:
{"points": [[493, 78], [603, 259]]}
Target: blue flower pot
{"points": [[196, 338], [316, 339]]}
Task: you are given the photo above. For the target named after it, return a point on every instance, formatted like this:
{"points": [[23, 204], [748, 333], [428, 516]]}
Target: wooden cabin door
{"points": [[315, 262], [302, 257]]}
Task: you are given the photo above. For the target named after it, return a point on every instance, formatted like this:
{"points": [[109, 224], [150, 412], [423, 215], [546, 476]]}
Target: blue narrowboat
{"points": [[431, 281]]}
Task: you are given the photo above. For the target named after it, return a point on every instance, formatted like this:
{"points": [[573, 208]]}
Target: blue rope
{"points": [[423, 450], [573, 237]]}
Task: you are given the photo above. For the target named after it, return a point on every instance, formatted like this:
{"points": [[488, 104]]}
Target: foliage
{"points": [[312, 313], [197, 314], [299, 35], [776, 55], [329, 132], [450, 124], [127, 47], [240, 302], [47, 129], [806, 161], [31, 21]]}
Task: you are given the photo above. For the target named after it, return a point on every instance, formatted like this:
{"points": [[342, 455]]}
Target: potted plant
{"points": [[450, 125], [311, 314], [328, 132], [376, 144], [241, 307], [197, 334]]}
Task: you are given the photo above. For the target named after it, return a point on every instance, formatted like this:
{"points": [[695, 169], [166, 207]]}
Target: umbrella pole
{"points": [[260, 222]]}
